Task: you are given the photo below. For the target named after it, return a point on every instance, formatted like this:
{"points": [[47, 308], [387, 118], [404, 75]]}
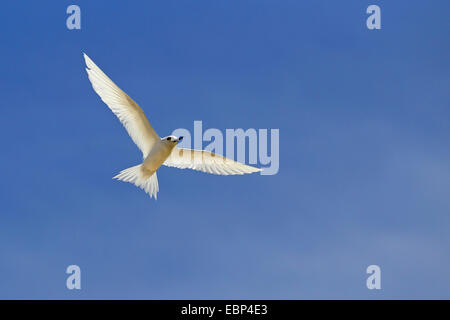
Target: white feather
{"points": [[129, 113], [140, 178], [206, 161]]}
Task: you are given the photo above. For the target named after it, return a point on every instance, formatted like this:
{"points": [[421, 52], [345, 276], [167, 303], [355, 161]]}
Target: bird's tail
{"points": [[144, 179]]}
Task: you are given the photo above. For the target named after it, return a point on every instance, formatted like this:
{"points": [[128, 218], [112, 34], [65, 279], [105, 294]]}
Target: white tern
{"points": [[156, 151]]}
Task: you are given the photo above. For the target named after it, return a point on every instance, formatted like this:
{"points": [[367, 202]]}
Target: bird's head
{"points": [[171, 140]]}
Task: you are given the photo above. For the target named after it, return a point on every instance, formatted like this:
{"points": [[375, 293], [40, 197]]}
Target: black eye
{"points": [[169, 138]]}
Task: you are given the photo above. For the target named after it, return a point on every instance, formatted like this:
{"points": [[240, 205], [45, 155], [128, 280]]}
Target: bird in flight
{"points": [[156, 151]]}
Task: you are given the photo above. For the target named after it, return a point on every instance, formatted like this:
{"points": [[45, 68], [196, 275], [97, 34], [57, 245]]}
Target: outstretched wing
{"points": [[206, 161], [129, 113]]}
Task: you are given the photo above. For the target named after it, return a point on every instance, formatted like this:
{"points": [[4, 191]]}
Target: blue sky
{"points": [[364, 157]]}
